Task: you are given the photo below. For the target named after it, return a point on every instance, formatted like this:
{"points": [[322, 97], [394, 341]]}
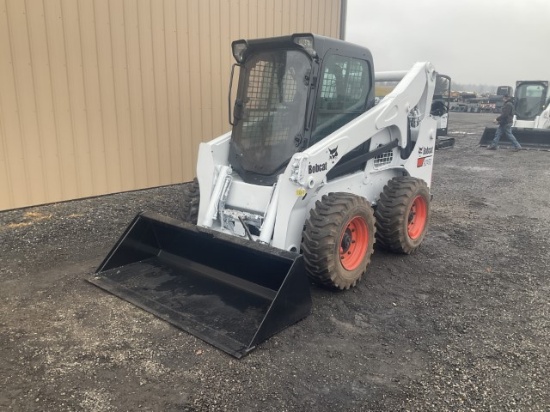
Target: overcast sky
{"points": [[494, 42]]}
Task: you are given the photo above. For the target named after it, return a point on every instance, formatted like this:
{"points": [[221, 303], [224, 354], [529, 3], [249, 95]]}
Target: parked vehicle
{"points": [[531, 124], [310, 176]]}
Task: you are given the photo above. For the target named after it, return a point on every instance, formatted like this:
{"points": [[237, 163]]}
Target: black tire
{"points": [[338, 240], [403, 214], [191, 199]]}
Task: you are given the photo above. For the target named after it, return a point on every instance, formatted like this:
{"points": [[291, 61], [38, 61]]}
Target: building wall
{"points": [[103, 96]]}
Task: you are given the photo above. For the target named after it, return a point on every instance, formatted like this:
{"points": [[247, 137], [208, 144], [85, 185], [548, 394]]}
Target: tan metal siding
{"points": [[102, 96]]}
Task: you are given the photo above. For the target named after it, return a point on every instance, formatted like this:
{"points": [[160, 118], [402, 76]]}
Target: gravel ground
{"points": [[463, 324]]}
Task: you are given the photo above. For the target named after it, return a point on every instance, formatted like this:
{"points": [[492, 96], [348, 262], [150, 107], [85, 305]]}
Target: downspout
{"points": [[343, 15]]}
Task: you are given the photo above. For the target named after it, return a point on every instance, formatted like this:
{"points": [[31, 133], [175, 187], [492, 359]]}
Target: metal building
{"points": [[104, 96]]}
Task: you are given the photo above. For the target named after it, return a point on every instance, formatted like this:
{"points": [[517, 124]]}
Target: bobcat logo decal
{"points": [[333, 153], [424, 151]]}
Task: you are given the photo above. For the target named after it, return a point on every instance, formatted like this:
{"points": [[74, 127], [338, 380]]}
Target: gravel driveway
{"points": [[463, 324]]}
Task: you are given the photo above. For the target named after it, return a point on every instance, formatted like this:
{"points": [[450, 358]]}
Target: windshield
{"points": [[530, 98], [270, 110]]}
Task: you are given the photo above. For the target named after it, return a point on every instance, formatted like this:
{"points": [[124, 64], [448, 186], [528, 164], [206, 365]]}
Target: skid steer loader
{"points": [[531, 125], [310, 175]]}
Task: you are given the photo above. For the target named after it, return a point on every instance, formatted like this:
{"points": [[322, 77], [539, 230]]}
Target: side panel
{"points": [[420, 163]]}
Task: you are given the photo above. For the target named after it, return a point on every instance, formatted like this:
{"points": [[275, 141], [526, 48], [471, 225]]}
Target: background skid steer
{"points": [[310, 176], [531, 125]]}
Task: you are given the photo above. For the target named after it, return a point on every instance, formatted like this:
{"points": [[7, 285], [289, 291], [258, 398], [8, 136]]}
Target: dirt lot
{"points": [[463, 324]]}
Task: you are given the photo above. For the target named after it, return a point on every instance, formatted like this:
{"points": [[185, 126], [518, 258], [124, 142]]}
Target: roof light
{"points": [[239, 48], [306, 41]]}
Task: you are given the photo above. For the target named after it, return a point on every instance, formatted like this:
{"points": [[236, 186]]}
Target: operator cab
{"points": [[293, 91], [530, 99]]}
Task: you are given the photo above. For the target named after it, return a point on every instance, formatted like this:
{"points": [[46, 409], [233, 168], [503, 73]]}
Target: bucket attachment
{"points": [[444, 142], [231, 292], [527, 138]]}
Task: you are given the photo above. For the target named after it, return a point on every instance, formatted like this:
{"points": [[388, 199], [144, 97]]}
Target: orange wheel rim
{"points": [[418, 214], [354, 243]]}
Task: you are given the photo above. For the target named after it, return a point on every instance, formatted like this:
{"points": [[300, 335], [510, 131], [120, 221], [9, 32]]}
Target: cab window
{"points": [[344, 87]]}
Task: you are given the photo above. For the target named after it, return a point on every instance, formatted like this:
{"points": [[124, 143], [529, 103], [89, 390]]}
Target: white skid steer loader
{"points": [[531, 124], [310, 176]]}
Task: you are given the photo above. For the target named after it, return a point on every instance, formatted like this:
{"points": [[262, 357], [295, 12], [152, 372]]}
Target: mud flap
{"points": [[527, 138], [231, 292]]}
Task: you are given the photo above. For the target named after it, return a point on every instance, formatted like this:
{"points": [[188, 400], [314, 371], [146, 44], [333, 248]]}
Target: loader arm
{"points": [[390, 117]]}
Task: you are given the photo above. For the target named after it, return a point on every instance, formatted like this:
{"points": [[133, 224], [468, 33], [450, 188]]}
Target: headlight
{"points": [[239, 48], [306, 41]]}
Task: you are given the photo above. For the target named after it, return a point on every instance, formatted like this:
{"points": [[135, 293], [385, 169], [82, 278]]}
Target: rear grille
{"points": [[383, 159]]}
